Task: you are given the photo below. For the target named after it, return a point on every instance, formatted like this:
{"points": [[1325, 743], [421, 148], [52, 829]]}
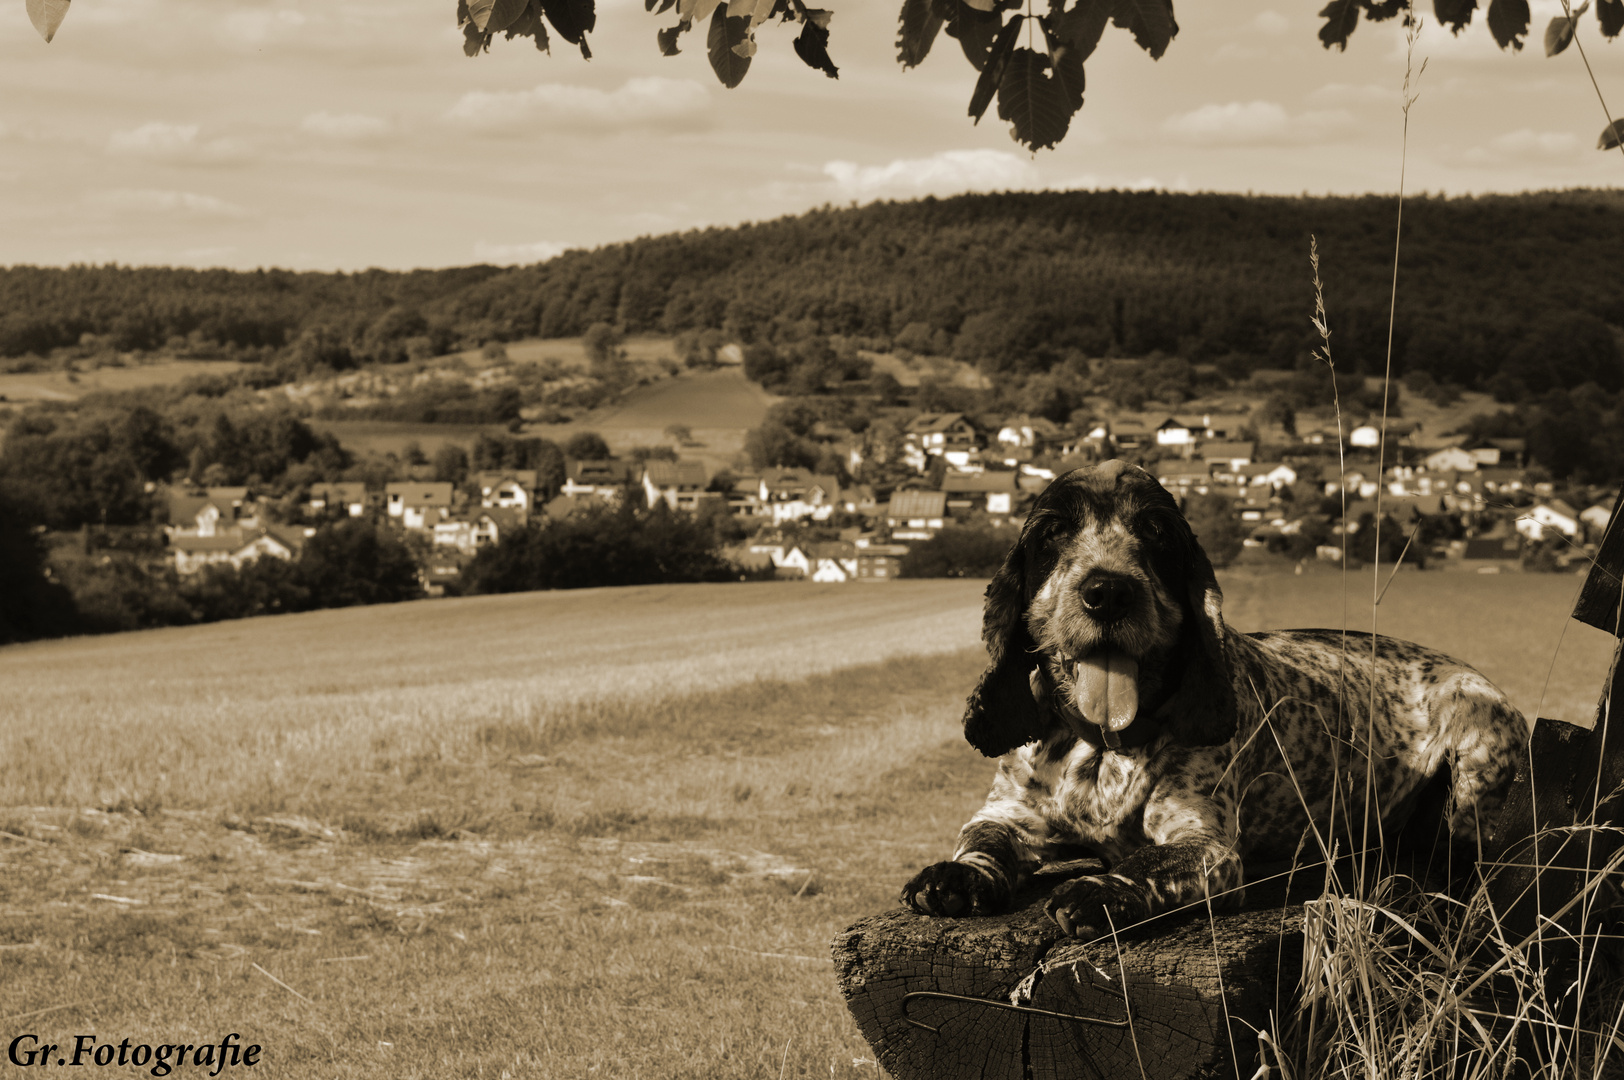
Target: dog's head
{"points": [[1105, 611]]}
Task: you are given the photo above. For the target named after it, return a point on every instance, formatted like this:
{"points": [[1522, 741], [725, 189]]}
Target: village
{"points": [[1472, 504]]}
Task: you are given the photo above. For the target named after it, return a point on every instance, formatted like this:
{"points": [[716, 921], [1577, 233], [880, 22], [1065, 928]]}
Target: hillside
{"points": [[1007, 281]]}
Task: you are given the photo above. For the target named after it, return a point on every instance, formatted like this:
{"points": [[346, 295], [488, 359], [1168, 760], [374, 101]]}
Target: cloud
{"points": [[1355, 94], [516, 254], [346, 127], [1526, 145], [647, 101], [1271, 23], [146, 201], [946, 173], [257, 28], [1255, 123], [175, 143]]}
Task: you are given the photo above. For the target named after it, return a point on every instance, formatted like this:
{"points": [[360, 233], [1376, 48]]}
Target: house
{"points": [[744, 497], [1451, 458], [678, 484], [860, 499], [1231, 455], [1544, 516], [509, 489], [1369, 436], [995, 491], [482, 528], [832, 562], [915, 515], [211, 511], [1271, 474], [1174, 432], [1183, 477], [1501, 481], [1595, 519], [418, 504], [351, 498], [1029, 433], [880, 562], [946, 435], [604, 480], [1131, 435], [795, 493], [237, 548], [1488, 555], [793, 562]]}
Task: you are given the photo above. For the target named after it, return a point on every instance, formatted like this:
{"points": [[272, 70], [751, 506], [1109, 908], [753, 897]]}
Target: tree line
{"points": [[1015, 282]]}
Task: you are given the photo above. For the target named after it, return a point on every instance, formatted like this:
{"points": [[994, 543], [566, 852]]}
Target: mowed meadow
{"points": [[607, 832]]}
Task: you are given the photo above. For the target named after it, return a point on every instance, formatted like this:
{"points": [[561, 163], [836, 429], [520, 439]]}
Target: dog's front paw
{"points": [[1082, 905], [955, 888]]}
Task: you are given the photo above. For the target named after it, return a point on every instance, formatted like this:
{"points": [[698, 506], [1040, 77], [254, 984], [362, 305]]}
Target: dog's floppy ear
{"points": [[1002, 713], [1201, 711]]}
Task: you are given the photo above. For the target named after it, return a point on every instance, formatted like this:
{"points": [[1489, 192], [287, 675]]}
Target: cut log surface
{"points": [[1198, 988]]}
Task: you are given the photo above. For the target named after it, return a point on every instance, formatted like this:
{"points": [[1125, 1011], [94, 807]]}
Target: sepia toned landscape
{"points": [[600, 832]]}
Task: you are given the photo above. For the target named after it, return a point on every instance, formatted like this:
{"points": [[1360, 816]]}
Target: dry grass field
{"points": [[559, 835], [68, 386]]}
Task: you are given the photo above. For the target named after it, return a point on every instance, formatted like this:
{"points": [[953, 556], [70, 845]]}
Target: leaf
{"points": [[992, 75], [496, 15], [1612, 136], [529, 25], [1341, 18], [1151, 22], [1035, 105], [818, 16], [1082, 26], [812, 46], [696, 10], [1067, 65], [1508, 22], [917, 27], [1382, 10], [474, 40], [1455, 14], [668, 39], [1559, 34], [47, 15], [976, 31], [982, 5], [723, 35], [754, 10], [462, 12], [1610, 14], [573, 19]]}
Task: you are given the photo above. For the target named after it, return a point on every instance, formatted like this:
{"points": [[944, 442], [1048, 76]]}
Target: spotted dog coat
{"points": [[1130, 722]]}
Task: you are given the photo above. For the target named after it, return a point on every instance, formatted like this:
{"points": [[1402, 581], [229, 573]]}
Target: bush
{"points": [[600, 546], [959, 551]]}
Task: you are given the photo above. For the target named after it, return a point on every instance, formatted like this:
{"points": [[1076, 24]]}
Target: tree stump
{"points": [[1009, 997]]}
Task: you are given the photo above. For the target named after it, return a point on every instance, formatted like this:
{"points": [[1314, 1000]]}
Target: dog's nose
{"points": [[1107, 596]]}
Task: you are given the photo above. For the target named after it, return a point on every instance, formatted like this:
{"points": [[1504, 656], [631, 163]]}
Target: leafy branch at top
{"points": [[1038, 91]]}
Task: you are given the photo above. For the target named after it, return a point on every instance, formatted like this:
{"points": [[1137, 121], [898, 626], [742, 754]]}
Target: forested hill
{"points": [[1010, 281]]}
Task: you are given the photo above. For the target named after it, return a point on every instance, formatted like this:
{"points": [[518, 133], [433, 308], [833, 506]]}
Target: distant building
{"points": [[351, 498], [916, 515]]}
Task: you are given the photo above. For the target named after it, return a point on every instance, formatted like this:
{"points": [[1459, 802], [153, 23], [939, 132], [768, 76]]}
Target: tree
{"points": [[600, 546], [1212, 519], [587, 446], [358, 562], [959, 551], [31, 605]]}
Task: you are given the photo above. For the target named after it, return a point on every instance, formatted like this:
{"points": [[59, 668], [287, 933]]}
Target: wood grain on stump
{"points": [[1197, 991]]}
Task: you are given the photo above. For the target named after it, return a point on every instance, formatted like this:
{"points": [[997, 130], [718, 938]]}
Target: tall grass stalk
{"points": [[1402, 982]]}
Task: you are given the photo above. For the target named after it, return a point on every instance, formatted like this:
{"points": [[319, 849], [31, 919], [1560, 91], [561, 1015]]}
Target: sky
{"points": [[337, 135]]}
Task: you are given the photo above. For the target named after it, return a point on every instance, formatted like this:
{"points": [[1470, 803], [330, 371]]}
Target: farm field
{"points": [[607, 832], [66, 386]]}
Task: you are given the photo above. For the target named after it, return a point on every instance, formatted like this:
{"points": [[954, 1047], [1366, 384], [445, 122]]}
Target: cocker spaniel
{"points": [[1129, 721]]}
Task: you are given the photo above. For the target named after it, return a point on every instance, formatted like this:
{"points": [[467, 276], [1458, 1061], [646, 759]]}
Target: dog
{"points": [[1131, 722]]}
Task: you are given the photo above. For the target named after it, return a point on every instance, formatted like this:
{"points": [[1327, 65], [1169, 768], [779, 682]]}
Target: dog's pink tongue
{"points": [[1108, 689]]}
